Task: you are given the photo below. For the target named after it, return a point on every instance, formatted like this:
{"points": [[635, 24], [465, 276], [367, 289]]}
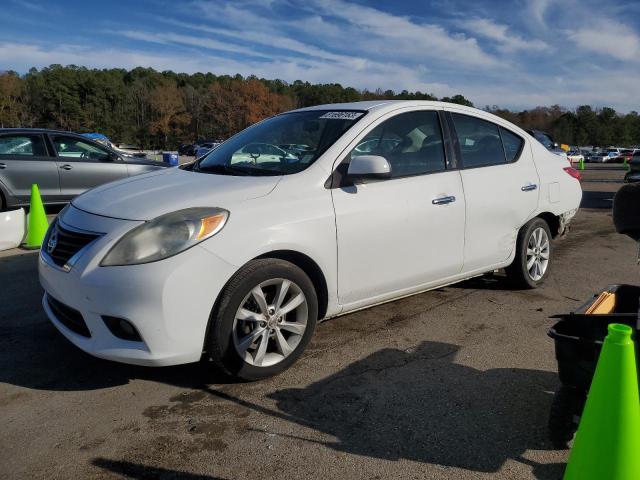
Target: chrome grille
{"points": [[62, 244]]}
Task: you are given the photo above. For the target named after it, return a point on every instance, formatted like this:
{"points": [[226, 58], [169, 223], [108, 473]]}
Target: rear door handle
{"points": [[443, 200], [3, 166], [528, 188], [66, 166]]}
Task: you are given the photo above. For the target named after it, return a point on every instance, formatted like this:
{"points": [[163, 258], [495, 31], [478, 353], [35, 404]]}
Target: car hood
{"points": [[147, 196]]}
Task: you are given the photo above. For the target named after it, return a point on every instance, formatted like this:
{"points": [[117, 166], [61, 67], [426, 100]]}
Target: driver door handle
{"points": [[3, 166], [66, 166], [443, 200], [529, 187]]}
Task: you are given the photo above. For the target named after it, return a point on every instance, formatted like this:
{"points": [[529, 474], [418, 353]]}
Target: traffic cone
{"points": [[37, 224], [607, 444]]}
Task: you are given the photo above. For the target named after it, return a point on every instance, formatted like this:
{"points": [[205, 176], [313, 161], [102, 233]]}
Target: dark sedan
{"points": [[63, 164]]}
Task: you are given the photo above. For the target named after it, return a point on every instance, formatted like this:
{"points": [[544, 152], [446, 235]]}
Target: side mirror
{"points": [[113, 157], [369, 166]]}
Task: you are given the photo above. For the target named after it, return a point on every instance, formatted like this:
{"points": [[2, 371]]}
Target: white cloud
{"points": [[399, 35], [608, 37], [356, 28], [167, 38], [537, 10], [500, 34]]}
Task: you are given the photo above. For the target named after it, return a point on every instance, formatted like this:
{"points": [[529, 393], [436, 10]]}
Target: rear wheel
{"points": [[531, 264], [263, 321]]}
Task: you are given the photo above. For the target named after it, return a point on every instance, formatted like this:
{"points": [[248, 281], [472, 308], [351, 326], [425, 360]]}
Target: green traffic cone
{"points": [[607, 445], [38, 224]]}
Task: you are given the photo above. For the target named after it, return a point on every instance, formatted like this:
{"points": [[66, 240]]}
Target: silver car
{"points": [[63, 164]]}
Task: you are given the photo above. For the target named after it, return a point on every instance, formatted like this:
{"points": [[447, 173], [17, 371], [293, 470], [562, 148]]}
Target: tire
{"points": [[229, 333], [565, 410], [518, 273]]}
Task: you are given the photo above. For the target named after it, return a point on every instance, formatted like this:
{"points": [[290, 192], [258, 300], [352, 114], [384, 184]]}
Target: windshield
{"points": [[280, 145]]}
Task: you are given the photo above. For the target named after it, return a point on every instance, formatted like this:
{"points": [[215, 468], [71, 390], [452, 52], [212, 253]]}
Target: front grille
{"points": [[69, 317], [62, 244]]}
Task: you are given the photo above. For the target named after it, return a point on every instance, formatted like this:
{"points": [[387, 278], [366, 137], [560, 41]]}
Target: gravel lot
{"points": [[454, 383]]}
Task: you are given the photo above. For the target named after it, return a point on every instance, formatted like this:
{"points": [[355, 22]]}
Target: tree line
{"points": [[162, 109]]}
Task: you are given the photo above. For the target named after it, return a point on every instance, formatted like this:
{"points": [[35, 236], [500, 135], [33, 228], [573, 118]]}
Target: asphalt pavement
{"points": [[455, 383]]}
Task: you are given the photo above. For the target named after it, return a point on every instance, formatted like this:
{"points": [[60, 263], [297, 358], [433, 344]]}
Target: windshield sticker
{"points": [[342, 115]]}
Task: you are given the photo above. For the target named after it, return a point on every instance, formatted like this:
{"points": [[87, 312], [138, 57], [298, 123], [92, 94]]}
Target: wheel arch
{"points": [[553, 221], [311, 269]]}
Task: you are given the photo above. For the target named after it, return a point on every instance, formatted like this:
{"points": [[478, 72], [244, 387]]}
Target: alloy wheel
{"points": [[270, 322], [538, 249]]}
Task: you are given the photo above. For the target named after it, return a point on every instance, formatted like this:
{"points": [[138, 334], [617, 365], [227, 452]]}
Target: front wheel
{"points": [[530, 266], [263, 320]]}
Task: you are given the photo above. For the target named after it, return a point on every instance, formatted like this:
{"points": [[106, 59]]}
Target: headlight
{"points": [[166, 236]]}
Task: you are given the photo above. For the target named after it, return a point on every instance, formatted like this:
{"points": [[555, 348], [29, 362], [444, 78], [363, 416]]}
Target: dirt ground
{"points": [[451, 384]]}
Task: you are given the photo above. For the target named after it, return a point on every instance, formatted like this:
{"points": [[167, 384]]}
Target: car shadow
{"points": [[138, 471], [420, 405]]}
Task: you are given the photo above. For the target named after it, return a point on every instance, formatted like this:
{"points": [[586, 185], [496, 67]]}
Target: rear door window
{"points": [[480, 142], [512, 144], [22, 146]]}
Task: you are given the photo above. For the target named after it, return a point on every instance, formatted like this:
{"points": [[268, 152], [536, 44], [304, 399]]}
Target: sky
{"points": [[514, 54]]}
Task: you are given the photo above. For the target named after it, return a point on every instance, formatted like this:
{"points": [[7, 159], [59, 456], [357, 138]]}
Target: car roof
{"points": [[374, 105]]}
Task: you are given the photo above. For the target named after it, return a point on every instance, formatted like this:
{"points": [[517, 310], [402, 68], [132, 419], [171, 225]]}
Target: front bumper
{"points": [[168, 302]]}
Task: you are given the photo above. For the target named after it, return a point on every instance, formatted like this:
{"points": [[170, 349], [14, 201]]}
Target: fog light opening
{"points": [[122, 328]]}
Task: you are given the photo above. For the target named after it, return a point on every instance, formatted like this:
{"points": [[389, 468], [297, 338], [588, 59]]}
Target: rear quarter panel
{"points": [[559, 192]]}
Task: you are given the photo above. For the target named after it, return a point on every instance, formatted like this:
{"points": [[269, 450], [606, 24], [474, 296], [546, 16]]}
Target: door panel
{"points": [[398, 234], [23, 162], [501, 190], [392, 236], [83, 165]]}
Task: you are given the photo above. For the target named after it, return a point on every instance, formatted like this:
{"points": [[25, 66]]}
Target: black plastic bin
{"points": [[578, 340]]}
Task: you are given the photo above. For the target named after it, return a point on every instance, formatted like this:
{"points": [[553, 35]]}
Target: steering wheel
{"points": [[85, 155]]}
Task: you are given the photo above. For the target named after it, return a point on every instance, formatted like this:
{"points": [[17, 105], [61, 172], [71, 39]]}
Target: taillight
{"points": [[573, 172]]}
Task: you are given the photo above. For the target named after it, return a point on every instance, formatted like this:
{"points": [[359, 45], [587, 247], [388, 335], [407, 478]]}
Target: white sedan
{"points": [[235, 261]]}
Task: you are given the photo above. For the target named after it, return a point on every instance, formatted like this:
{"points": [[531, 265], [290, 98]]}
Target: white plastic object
{"points": [[12, 228]]}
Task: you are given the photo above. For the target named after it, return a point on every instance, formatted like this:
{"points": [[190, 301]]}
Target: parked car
{"points": [[626, 154], [123, 149], [204, 148], [597, 156], [612, 155], [186, 149], [63, 165], [128, 150], [575, 156], [236, 261], [263, 153]]}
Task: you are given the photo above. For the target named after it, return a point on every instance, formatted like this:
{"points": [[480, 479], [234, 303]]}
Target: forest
{"points": [[162, 109]]}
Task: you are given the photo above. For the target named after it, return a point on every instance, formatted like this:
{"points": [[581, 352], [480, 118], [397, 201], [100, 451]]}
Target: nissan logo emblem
{"points": [[53, 240]]}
